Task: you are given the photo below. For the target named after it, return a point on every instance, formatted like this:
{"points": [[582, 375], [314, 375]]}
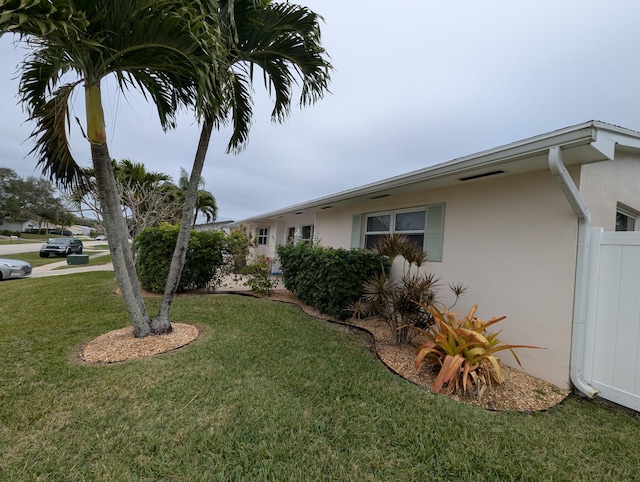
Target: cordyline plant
{"points": [[465, 352], [400, 300]]}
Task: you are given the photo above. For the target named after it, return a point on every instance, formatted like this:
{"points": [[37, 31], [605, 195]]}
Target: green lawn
{"points": [[265, 393]]}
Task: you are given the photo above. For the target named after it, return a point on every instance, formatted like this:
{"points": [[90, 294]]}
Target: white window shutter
{"points": [[434, 232], [356, 226]]}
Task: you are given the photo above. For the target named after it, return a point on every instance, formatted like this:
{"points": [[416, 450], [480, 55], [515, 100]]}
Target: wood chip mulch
{"points": [[120, 345]]}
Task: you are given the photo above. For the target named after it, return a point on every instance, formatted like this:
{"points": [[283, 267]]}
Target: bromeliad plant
{"points": [[464, 350]]}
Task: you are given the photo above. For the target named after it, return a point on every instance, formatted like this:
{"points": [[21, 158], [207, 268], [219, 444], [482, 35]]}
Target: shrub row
{"points": [[205, 258], [326, 278]]}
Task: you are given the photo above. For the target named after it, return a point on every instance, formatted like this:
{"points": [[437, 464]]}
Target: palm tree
{"points": [[163, 48], [205, 201], [207, 206], [281, 39]]}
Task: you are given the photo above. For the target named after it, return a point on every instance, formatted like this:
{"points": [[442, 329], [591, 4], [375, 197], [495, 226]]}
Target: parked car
{"points": [[101, 237], [61, 247], [14, 268], [58, 231]]}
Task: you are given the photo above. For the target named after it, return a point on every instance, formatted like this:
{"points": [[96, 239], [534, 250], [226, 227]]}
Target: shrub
{"points": [[326, 278], [203, 263], [239, 241], [259, 275], [465, 352]]}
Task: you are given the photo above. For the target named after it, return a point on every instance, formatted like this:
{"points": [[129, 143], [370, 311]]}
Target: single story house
{"points": [[514, 224], [20, 226]]}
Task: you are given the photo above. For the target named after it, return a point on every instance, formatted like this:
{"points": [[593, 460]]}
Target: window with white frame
{"points": [[625, 218], [423, 225], [263, 236], [409, 223]]}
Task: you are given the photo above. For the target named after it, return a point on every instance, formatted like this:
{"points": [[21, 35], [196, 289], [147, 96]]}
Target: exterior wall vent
{"points": [[478, 176]]}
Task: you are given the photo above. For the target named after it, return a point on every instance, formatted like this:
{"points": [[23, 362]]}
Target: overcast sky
{"points": [[416, 83]]}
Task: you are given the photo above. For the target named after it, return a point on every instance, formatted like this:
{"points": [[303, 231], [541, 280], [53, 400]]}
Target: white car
{"points": [[101, 237], [14, 268]]}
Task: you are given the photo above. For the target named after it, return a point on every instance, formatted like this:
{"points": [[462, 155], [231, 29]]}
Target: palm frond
{"points": [[40, 17], [51, 143]]}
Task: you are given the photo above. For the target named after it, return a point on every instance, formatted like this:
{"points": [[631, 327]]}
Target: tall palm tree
{"points": [[281, 39], [163, 48]]}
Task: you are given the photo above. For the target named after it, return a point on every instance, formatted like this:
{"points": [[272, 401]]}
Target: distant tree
{"points": [[31, 199], [205, 201], [147, 198], [7, 176]]}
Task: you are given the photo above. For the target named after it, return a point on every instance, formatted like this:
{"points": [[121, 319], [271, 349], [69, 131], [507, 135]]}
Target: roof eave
{"points": [[581, 134]]}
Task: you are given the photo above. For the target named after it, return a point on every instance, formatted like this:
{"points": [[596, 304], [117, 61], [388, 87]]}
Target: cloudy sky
{"points": [[416, 83]]}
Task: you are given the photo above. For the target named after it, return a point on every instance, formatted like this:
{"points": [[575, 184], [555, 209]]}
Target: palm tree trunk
{"points": [[161, 321], [114, 223]]}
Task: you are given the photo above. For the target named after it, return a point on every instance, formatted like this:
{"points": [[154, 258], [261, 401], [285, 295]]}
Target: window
{"points": [[263, 236], [423, 226], [300, 234], [291, 234], [625, 218], [410, 223], [307, 233]]}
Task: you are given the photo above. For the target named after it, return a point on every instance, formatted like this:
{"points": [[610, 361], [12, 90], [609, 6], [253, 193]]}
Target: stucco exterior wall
{"points": [[604, 184], [512, 242]]}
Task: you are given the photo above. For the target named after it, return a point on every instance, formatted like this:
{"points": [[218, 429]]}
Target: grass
{"points": [[265, 393], [25, 238], [34, 259]]}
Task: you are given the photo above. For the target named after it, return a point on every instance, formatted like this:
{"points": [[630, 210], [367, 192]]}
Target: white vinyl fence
{"points": [[612, 348]]}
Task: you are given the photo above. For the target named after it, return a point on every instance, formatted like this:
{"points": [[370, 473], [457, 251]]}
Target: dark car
{"points": [[61, 247]]}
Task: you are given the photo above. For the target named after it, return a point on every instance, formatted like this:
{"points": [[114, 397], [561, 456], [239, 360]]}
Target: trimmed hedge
{"points": [[326, 278], [155, 249]]}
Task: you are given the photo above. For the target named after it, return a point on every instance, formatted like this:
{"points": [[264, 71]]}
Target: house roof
{"points": [[592, 141]]}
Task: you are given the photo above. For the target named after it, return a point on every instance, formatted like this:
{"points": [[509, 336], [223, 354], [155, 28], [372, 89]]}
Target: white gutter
{"points": [[572, 194]]}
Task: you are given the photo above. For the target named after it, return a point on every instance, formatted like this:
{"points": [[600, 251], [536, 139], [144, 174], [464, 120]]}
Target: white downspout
{"points": [[572, 194]]}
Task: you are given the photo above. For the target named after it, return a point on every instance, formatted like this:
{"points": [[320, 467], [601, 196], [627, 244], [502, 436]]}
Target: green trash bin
{"points": [[74, 259]]}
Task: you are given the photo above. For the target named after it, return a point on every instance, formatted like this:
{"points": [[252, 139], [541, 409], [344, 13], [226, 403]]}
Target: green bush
{"points": [[203, 265], [326, 278], [259, 276]]}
